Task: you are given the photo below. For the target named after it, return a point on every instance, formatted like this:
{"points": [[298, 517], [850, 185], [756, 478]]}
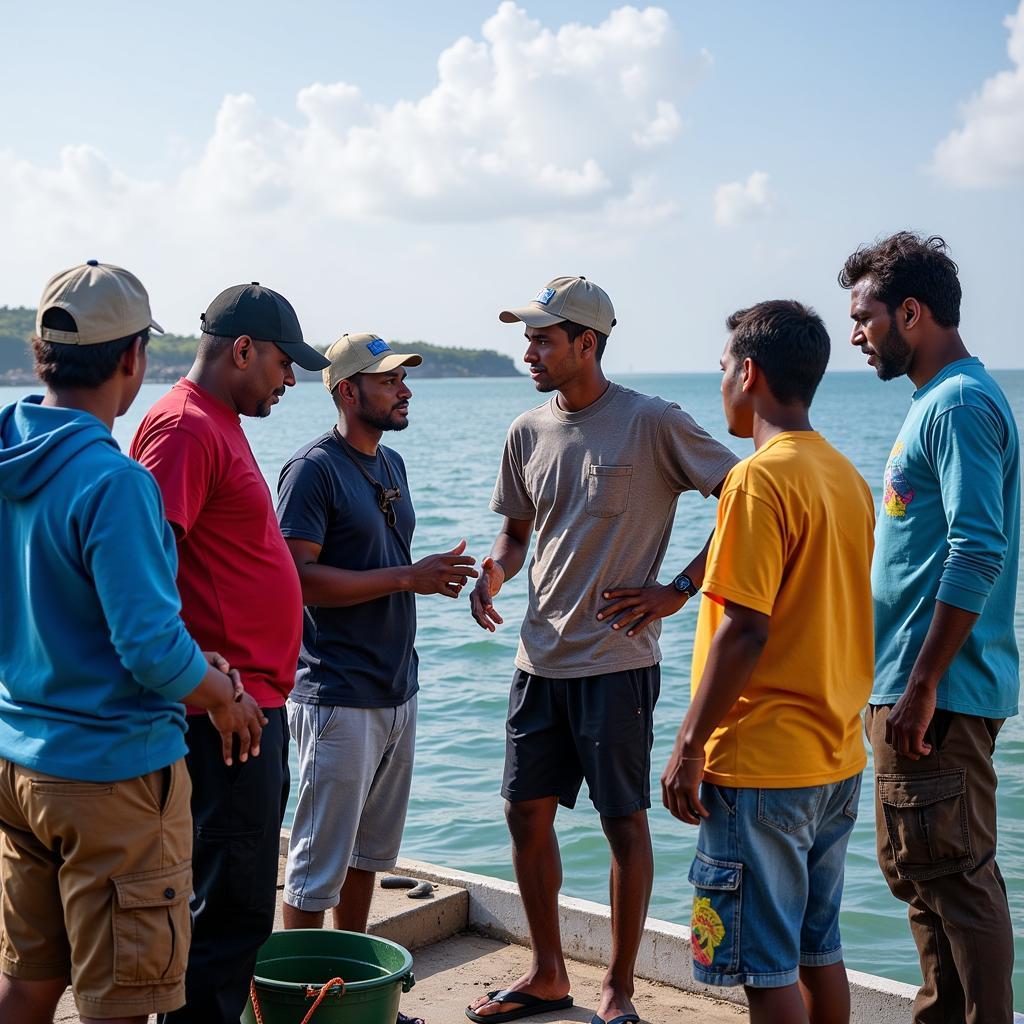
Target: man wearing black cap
{"points": [[240, 595]]}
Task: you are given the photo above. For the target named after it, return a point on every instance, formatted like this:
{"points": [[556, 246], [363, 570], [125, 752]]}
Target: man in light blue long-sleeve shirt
{"points": [[95, 829], [944, 580]]}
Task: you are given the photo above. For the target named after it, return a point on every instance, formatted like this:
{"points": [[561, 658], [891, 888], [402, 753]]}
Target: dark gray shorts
{"points": [[599, 728]]}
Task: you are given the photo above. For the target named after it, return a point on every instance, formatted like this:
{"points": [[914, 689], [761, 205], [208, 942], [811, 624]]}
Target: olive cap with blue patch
{"points": [[362, 353], [264, 315], [566, 298]]}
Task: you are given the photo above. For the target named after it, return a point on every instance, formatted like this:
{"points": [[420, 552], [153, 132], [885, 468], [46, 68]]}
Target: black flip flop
{"points": [[530, 1006], [626, 1018]]}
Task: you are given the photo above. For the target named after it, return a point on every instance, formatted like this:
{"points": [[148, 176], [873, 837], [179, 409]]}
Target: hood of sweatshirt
{"points": [[36, 441]]}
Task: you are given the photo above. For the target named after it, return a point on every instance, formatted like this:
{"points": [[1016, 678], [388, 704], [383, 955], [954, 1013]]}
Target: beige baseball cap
{"points": [[107, 303], [363, 353], [566, 298]]}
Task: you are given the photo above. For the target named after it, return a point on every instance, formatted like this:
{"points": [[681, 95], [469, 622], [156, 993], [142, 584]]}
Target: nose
{"points": [[404, 392], [530, 357], [289, 377]]}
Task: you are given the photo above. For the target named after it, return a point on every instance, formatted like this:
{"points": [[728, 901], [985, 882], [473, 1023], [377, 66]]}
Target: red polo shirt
{"points": [[240, 593]]}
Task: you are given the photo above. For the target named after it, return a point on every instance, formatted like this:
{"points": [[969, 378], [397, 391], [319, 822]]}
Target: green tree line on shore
{"points": [[170, 355]]}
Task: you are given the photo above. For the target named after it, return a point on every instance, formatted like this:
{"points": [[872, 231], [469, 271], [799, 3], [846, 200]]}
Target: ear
{"points": [[348, 393], [133, 358], [588, 343], [909, 314], [748, 374], [243, 351]]}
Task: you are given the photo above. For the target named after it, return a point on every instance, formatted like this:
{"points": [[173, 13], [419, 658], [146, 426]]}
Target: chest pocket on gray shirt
{"points": [[608, 490]]}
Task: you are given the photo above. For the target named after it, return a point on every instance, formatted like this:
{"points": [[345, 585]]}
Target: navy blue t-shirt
{"points": [[361, 656]]}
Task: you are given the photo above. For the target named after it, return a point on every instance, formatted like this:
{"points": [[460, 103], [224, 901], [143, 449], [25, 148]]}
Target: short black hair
{"points": [[909, 266], [212, 346], [60, 365], [789, 343], [574, 330]]}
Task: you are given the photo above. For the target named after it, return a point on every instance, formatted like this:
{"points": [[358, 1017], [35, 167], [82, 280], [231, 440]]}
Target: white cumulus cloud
{"points": [[523, 120], [737, 202], [989, 149]]}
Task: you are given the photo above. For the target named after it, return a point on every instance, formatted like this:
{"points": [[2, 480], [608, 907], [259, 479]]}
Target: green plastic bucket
{"points": [[293, 966]]}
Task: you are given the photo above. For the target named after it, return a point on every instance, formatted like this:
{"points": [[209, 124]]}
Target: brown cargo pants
{"points": [[935, 822]]}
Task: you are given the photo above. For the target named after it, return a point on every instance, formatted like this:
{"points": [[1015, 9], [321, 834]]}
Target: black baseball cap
{"points": [[263, 314]]}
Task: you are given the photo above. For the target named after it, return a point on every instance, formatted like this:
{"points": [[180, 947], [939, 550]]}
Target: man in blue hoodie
{"points": [[95, 829]]}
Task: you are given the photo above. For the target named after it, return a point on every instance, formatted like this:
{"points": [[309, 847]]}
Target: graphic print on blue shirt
{"points": [[898, 493]]}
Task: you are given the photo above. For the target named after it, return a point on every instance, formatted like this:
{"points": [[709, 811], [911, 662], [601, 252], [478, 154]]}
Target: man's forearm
{"points": [[324, 586], [696, 569], [734, 652], [509, 553], [949, 629]]}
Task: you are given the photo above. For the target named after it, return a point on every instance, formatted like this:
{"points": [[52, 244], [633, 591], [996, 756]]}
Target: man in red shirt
{"points": [[240, 596]]}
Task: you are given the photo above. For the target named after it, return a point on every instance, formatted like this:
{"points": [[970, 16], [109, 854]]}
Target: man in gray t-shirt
{"points": [[596, 471]]}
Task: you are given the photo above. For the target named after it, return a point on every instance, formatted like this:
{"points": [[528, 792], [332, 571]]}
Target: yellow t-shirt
{"points": [[793, 541]]}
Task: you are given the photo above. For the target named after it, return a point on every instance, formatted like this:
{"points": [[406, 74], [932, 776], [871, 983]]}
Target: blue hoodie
{"points": [[93, 655]]}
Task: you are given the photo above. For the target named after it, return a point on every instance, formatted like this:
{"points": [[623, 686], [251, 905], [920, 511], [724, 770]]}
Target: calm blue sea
{"points": [[452, 449]]}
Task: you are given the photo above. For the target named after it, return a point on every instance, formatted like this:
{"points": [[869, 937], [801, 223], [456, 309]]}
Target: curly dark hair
{"points": [[909, 266], [789, 343]]}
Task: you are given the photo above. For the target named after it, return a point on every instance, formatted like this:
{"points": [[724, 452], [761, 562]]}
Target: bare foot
{"points": [[532, 982]]}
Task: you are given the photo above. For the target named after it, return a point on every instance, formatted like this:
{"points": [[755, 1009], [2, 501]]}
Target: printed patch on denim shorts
{"points": [[706, 931], [715, 921]]}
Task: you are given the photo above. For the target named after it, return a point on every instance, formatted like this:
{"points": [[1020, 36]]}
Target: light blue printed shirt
{"points": [[949, 530]]}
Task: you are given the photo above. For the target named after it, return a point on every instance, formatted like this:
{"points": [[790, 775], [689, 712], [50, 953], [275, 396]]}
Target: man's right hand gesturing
{"points": [[481, 601], [446, 573]]}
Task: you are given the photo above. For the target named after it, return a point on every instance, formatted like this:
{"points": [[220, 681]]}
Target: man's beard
{"points": [[383, 421], [894, 356]]}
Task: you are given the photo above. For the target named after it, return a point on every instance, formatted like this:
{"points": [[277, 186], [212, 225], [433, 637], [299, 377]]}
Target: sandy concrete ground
{"points": [[452, 973]]}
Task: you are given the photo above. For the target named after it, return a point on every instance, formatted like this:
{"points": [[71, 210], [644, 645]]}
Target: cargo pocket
{"points": [[608, 490], [230, 858], [715, 922], [926, 820], [152, 926]]}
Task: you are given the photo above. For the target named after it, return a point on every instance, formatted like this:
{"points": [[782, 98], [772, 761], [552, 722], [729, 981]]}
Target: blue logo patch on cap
{"points": [[544, 296], [377, 346]]}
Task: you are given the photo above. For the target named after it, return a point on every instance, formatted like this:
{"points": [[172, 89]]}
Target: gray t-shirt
{"points": [[601, 485]]}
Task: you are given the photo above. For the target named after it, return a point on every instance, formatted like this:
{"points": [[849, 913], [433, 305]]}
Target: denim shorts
{"points": [[768, 881]]}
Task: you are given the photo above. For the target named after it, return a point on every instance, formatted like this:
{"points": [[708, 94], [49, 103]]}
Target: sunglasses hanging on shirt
{"points": [[386, 496]]}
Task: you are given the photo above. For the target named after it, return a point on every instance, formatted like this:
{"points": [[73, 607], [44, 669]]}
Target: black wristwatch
{"points": [[685, 585]]}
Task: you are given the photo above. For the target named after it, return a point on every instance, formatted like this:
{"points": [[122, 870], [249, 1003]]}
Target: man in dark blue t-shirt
{"points": [[347, 517]]}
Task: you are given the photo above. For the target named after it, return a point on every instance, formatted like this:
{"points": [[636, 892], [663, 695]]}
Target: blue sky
{"points": [[691, 158]]}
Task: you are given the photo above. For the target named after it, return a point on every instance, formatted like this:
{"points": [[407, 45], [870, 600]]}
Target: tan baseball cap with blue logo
{"points": [[566, 298], [362, 353]]}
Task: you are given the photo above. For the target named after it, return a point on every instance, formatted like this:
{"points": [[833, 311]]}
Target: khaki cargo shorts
{"points": [[96, 880]]}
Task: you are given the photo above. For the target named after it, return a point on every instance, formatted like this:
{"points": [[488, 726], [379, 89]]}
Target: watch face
{"points": [[683, 584]]}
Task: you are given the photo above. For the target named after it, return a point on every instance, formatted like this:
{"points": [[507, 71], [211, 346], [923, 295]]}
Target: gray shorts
{"points": [[355, 772]]}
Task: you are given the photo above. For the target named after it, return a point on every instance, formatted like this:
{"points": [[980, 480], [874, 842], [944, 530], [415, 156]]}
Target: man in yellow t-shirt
{"points": [[769, 758]]}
